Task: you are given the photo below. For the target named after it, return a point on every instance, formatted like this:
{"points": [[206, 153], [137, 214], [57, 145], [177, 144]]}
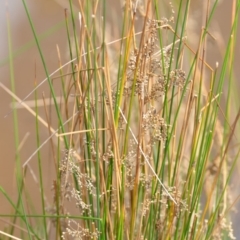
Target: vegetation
{"points": [[148, 146]]}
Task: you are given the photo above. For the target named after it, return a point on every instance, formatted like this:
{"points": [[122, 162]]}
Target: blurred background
{"points": [[48, 19]]}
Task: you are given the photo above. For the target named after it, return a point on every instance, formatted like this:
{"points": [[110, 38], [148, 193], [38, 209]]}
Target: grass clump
{"points": [[143, 151]]}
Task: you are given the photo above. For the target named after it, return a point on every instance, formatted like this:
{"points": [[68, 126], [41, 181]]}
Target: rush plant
{"points": [[148, 146]]}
